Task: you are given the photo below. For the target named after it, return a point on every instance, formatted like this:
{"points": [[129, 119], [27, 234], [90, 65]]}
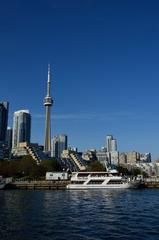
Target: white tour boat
{"points": [[2, 183], [102, 180]]}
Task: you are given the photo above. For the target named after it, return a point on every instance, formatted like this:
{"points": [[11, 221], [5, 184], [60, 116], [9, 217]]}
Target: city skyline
{"points": [[105, 62]]}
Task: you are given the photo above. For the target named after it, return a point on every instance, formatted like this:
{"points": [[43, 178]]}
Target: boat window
{"points": [[82, 174], [97, 181], [99, 175], [77, 182], [113, 181]]}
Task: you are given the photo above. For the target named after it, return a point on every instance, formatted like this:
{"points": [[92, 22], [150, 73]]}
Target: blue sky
{"points": [[104, 57]]}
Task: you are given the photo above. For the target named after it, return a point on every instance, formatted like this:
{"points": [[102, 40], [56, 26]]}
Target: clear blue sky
{"points": [[105, 62]]}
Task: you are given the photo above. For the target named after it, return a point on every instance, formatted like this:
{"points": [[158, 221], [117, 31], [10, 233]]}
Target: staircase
{"points": [[35, 152], [78, 161]]}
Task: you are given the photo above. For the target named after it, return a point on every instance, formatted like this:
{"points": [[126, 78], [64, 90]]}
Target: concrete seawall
{"points": [[38, 185], [152, 182], [61, 184]]}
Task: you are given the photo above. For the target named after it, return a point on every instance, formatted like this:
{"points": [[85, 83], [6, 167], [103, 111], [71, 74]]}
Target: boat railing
{"points": [[92, 177], [77, 178]]}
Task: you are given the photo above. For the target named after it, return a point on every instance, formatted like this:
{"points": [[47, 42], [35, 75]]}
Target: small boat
{"points": [[2, 182], [100, 180]]}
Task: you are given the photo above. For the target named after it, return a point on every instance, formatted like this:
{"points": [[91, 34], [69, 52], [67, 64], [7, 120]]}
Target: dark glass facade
{"points": [[3, 120], [59, 144], [21, 127], [24, 128], [9, 137]]}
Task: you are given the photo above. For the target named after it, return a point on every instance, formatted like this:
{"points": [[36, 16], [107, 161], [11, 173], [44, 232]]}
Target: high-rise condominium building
{"points": [[109, 139], [111, 143], [21, 127], [59, 144], [9, 137], [3, 120]]}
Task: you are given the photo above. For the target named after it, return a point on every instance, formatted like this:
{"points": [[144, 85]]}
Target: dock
{"points": [[38, 184], [152, 182]]}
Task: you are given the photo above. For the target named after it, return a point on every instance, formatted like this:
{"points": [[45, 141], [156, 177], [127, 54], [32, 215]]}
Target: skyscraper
{"points": [[9, 137], [21, 127], [109, 138], [3, 120], [48, 102], [59, 144], [111, 143]]}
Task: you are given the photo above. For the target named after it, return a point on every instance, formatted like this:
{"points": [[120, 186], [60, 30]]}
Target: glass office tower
{"points": [[59, 144], [21, 127], [3, 120]]}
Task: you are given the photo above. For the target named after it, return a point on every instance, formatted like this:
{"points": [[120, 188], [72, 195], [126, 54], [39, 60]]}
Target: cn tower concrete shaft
{"points": [[48, 102]]}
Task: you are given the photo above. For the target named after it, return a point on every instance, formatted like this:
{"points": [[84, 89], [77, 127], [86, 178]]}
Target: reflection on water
{"points": [[86, 214]]}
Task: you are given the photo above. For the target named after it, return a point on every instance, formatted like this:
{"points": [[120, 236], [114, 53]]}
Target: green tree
{"points": [[123, 170], [95, 166], [4, 168], [26, 166], [50, 165]]}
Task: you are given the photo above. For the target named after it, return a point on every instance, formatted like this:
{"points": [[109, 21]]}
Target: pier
{"points": [[152, 182], [38, 184]]}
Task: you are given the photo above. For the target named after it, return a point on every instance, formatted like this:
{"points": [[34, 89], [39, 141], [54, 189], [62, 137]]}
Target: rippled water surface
{"points": [[88, 214]]}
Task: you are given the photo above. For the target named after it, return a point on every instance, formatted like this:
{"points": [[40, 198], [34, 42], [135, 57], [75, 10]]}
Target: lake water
{"points": [[73, 215]]}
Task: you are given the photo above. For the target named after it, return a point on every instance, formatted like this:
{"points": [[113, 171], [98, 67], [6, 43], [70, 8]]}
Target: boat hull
{"points": [[2, 186], [112, 186]]}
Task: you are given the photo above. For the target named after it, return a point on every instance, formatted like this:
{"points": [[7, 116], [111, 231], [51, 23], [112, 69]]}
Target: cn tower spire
{"points": [[48, 80], [48, 102]]}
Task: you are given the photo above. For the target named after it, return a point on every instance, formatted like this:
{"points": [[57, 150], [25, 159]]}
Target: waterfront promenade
{"points": [[38, 184], [152, 182]]}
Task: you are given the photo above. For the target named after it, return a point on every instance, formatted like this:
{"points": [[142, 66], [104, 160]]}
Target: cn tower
{"points": [[48, 102]]}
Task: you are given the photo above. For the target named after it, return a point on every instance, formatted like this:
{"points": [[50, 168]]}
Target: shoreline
{"points": [[38, 185], [61, 184]]}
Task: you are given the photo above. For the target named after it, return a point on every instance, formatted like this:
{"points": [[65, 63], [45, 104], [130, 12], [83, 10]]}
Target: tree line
{"points": [[27, 167]]}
